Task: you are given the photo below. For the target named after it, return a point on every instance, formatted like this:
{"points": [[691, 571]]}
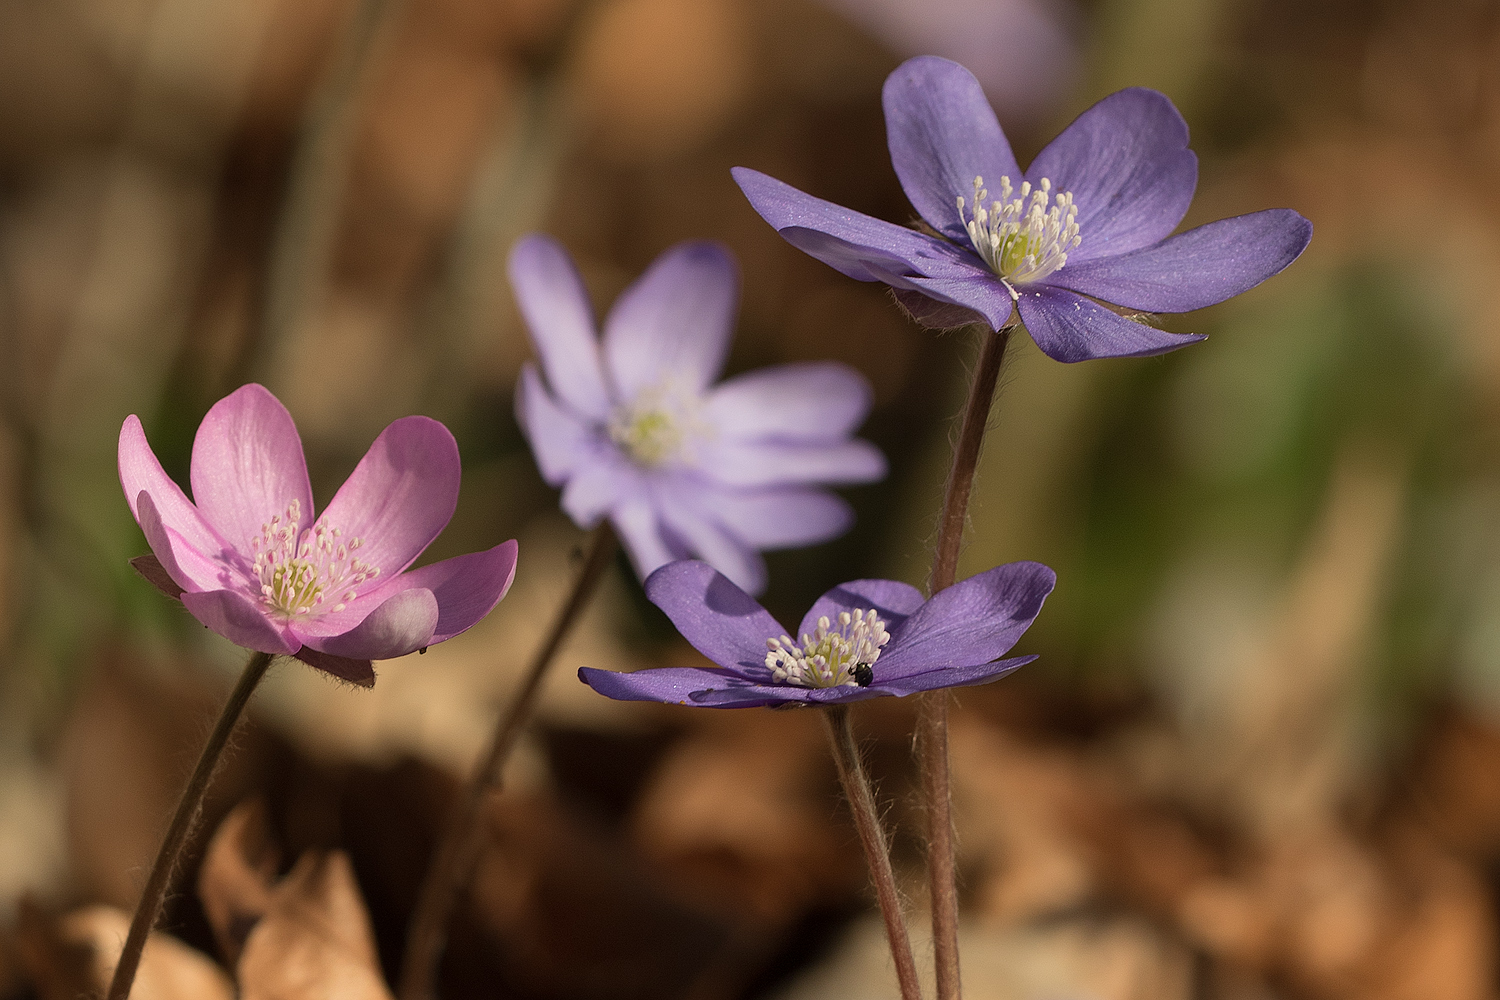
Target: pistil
{"points": [[1026, 234]]}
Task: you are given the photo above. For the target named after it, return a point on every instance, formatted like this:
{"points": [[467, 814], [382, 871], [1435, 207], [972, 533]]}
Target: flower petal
{"points": [[720, 620], [559, 440], [141, 472], [705, 538], [154, 573], [893, 602], [972, 622], [813, 401], [238, 619], [403, 624], [773, 463], [935, 314], [640, 532], [980, 291], [679, 685], [552, 299], [852, 243], [1197, 268], [942, 134], [1126, 162], [947, 677], [466, 587], [781, 517], [401, 494], [185, 565], [248, 467], [1069, 327], [672, 326], [599, 485], [361, 672]]}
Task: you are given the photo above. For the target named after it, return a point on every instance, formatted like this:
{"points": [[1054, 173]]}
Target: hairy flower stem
{"points": [[463, 838], [932, 708], [167, 858], [872, 838]]}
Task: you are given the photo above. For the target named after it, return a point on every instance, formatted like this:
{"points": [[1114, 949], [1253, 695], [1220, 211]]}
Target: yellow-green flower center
{"points": [[297, 571], [1024, 235], [655, 428], [830, 657]]}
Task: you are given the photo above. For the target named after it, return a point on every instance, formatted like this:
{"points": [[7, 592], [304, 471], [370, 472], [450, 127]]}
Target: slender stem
{"points": [[167, 858], [463, 838], [932, 708], [872, 838]]}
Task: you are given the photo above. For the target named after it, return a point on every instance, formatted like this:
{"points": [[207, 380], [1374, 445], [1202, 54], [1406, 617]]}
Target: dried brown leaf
{"points": [[234, 882], [315, 941]]}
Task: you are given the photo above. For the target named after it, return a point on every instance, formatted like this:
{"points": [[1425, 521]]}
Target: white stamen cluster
{"points": [[654, 428], [298, 570], [1022, 238], [828, 657]]}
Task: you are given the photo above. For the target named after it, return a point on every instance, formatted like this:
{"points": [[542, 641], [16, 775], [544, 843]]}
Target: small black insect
{"points": [[863, 674]]}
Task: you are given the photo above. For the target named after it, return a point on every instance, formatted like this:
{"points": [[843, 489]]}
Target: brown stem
{"points": [[872, 838], [165, 865], [463, 838], [932, 708]]}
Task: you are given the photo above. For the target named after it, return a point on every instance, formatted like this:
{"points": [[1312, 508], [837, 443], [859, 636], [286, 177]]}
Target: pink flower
{"points": [[251, 562]]}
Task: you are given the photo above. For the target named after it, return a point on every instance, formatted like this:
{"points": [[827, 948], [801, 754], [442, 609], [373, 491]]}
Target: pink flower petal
{"points": [[188, 568], [403, 624], [141, 472], [466, 587], [248, 466], [400, 496], [239, 620]]}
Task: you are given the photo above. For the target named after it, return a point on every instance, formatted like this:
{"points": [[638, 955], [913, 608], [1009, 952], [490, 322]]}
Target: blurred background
{"points": [[1259, 756]]}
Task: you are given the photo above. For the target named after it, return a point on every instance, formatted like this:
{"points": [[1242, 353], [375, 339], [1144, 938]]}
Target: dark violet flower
{"points": [[249, 560], [1088, 223], [863, 639], [634, 430]]}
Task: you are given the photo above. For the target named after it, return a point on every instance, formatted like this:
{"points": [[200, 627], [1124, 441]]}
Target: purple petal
{"points": [[154, 573], [599, 485], [1069, 327], [855, 244], [978, 291], [237, 619], [467, 587], [559, 440], [972, 622], [400, 495], [248, 467], [404, 623], [947, 677], [813, 401], [679, 686], [361, 672], [893, 602], [781, 517], [640, 532], [705, 538], [720, 620], [672, 326], [772, 463], [942, 134], [1126, 162], [141, 472], [185, 565], [1197, 268], [552, 299]]}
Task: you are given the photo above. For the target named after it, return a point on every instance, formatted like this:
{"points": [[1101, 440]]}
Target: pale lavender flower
{"points": [[248, 558], [863, 639], [1089, 222], [634, 430]]}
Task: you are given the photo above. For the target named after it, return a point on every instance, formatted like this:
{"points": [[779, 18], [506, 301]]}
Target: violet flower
{"points": [[633, 429], [249, 560], [1088, 223], [863, 639]]}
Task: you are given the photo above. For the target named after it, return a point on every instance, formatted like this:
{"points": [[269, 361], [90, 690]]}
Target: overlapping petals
{"points": [[678, 465], [1126, 165], [251, 561], [955, 639]]}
